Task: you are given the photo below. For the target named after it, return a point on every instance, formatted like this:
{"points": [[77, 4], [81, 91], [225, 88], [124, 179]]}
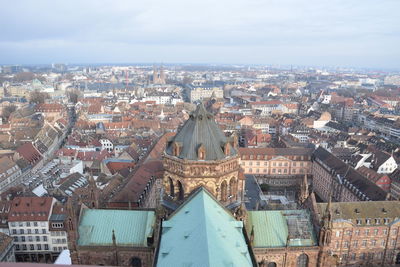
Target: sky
{"points": [[356, 33]]}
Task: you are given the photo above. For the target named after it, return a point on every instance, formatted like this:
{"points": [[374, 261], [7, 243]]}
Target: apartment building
{"points": [[37, 226], [10, 173]]}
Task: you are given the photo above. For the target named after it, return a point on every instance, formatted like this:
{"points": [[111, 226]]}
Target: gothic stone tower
{"points": [[201, 155]]}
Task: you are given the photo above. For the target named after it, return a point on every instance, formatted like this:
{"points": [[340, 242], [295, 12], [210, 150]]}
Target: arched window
{"points": [[136, 262], [302, 260], [224, 191], [181, 193], [171, 187], [271, 264], [232, 187]]}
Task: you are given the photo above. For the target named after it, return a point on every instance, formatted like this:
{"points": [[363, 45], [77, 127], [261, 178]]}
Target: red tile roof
{"points": [[29, 153], [30, 209]]}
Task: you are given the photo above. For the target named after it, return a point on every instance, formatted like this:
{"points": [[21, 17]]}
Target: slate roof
{"points": [[131, 227], [363, 210], [202, 233], [200, 129], [370, 189]]}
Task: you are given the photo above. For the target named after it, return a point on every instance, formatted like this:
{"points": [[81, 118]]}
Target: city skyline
{"points": [[312, 33]]}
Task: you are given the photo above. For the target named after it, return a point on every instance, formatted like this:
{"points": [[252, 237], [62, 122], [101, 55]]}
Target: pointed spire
{"points": [[328, 207], [252, 235], [304, 193], [114, 240]]}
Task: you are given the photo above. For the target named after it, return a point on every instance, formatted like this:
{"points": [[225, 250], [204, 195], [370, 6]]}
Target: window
{"points": [[31, 247], [43, 231], [355, 244], [395, 231], [366, 232], [337, 233], [385, 231], [13, 224], [376, 231], [346, 244], [353, 256], [357, 232], [383, 243], [21, 231], [37, 238], [17, 247], [15, 238], [29, 231], [364, 243], [39, 247], [30, 238], [46, 247], [373, 243], [44, 238], [337, 244], [22, 238], [23, 247], [35, 224], [393, 242], [362, 256], [368, 221], [377, 221], [36, 231], [14, 231], [28, 224], [358, 221], [348, 232]]}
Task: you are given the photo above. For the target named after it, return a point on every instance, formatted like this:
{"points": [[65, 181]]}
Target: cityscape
{"points": [[163, 134]]}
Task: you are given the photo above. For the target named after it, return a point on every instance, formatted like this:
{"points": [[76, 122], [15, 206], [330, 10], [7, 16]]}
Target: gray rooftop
{"points": [[200, 129]]}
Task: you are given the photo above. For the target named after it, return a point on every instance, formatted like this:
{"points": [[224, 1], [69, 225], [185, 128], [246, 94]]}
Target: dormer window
{"points": [[176, 149], [201, 152], [227, 149]]}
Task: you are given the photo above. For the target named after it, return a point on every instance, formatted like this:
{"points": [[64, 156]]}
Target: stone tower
{"points": [[200, 155]]}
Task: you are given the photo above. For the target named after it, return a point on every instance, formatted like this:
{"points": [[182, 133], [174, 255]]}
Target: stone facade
{"points": [[114, 256], [221, 178], [287, 257]]}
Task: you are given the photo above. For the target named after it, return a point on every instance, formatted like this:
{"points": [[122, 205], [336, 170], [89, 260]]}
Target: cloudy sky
{"points": [[360, 33]]}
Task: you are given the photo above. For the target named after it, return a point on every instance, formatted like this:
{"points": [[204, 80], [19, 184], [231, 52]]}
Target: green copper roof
{"points": [[200, 129], [202, 233], [131, 227], [271, 228]]}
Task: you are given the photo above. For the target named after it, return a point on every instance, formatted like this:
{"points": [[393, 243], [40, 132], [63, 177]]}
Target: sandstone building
{"points": [[200, 155]]}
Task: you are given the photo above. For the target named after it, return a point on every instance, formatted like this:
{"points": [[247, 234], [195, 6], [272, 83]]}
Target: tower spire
{"points": [[304, 190]]}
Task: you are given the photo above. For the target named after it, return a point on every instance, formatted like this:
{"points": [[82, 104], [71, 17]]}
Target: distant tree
{"points": [[73, 96], [37, 97], [7, 111], [24, 76], [187, 80]]}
